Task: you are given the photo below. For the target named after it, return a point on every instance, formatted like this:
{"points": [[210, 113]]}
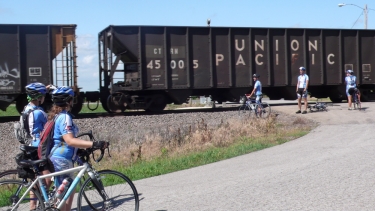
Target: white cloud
{"points": [[88, 59]]}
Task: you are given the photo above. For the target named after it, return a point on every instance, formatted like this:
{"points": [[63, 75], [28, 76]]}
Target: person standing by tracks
{"points": [[257, 91], [301, 89], [36, 120], [66, 144], [351, 85]]}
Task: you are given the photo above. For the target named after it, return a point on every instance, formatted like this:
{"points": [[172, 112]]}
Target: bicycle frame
{"points": [[82, 169]]}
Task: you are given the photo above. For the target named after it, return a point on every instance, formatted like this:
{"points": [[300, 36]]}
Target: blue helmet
{"points": [[35, 90], [62, 95], [302, 68]]}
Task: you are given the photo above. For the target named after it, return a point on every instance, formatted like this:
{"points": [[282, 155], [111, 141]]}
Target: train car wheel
{"points": [[158, 103], [114, 105]]}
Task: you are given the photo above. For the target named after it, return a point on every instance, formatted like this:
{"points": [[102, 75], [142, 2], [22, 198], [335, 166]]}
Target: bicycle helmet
{"points": [[35, 90], [350, 72], [256, 75], [302, 68], [62, 95]]}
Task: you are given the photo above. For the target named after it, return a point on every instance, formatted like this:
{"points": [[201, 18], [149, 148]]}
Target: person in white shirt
{"points": [[301, 89], [351, 85]]}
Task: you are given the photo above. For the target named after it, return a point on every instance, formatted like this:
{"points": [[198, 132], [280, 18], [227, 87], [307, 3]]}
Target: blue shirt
{"points": [[258, 88], [350, 82], [302, 79], [37, 119], [63, 126]]}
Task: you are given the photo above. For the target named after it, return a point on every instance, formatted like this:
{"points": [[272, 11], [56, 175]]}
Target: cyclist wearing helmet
{"points": [[301, 89], [66, 145], [350, 81], [257, 89], [37, 118]]}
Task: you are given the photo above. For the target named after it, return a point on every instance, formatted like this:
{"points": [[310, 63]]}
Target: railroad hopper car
{"points": [[147, 67], [36, 53]]}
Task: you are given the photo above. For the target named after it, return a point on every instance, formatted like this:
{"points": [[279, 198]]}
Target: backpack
{"points": [[46, 143], [21, 128]]}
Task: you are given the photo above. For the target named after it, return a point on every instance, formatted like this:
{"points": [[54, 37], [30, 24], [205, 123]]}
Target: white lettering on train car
{"points": [[240, 60], [242, 47], [329, 58], [261, 46], [219, 58], [315, 47], [277, 49], [256, 59], [294, 45], [157, 50]]}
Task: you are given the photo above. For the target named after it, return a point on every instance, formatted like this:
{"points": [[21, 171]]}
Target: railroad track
{"points": [[228, 107]]}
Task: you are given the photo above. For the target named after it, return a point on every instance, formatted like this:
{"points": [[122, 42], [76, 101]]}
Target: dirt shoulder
{"points": [[337, 113]]}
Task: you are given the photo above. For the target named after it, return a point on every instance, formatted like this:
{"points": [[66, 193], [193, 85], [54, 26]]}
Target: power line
{"points": [[357, 19]]}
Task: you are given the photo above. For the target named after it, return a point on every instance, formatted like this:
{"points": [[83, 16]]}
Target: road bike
{"points": [[103, 190], [247, 109]]}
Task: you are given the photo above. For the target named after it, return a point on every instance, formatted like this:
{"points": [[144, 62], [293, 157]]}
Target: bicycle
{"points": [[356, 100], [247, 107], [29, 152], [99, 185], [319, 106]]}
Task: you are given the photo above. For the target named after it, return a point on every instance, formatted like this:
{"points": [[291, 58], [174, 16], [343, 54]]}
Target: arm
{"points": [[307, 84], [297, 84], [76, 142]]}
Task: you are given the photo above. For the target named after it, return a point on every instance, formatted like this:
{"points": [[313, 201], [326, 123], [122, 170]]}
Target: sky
{"points": [[92, 16]]}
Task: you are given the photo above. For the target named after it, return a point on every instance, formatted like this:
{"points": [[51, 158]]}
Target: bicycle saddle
{"points": [[28, 149]]}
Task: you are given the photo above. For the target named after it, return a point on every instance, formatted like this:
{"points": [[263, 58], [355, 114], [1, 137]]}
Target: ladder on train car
{"points": [[65, 62]]}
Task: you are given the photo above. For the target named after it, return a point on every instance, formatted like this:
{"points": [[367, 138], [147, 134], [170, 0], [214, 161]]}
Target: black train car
{"points": [[36, 53], [149, 66]]}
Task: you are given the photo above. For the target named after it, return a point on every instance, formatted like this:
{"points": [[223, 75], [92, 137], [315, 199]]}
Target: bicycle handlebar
{"points": [[90, 150]]}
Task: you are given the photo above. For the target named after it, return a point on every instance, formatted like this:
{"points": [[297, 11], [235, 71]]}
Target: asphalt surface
{"points": [[331, 168]]}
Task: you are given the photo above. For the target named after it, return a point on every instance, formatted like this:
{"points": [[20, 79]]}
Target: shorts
{"points": [[350, 91], [301, 93], [258, 99], [62, 164]]}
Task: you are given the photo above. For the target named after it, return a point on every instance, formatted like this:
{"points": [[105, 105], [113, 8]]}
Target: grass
{"points": [[166, 151], [164, 165]]}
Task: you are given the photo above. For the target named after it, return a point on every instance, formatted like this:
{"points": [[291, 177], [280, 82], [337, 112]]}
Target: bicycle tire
{"points": [[241, 110], [9, 195], [9, 175], [265, 110], [111, 180]]}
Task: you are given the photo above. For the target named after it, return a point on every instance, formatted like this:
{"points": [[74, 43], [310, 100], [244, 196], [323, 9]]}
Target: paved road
{"points": [[331, 168]]}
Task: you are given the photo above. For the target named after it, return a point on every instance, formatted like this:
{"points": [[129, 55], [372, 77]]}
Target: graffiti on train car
{"points": [[6, 83]]}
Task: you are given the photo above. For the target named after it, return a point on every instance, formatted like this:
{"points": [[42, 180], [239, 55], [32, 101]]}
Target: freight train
{"points": [[148, 67]]}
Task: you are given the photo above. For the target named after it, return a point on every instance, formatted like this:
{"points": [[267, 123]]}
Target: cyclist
{"points": [[257, 91], [350, 81], [65, 146], [36, 120], [301, 89]]}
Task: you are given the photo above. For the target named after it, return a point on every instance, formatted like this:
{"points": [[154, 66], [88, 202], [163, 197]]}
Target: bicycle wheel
{"points": [[241, 110], [9, 175], [120, 190], [12, 190], [265, 110]]}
